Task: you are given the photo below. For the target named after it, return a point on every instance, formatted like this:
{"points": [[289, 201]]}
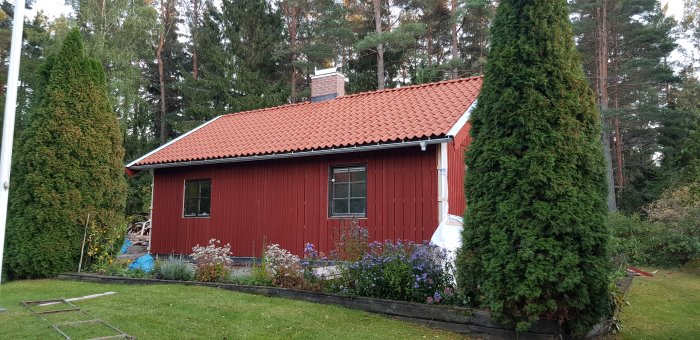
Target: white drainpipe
{"points": [[443, 204], [150, 210]]}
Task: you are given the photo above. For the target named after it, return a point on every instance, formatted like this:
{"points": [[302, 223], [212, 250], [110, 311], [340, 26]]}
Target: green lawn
{"points": [[666, 306], [176, 311]]}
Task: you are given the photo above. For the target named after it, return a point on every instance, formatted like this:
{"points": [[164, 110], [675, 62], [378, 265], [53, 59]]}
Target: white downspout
{"points": [[443, 194], [150, 210]]}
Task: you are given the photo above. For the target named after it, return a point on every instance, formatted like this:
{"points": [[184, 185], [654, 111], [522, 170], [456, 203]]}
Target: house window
{"points": [[198, 198], [348, 192]]}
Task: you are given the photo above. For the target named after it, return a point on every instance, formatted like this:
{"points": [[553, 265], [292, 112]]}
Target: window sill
{"points": [[349, 217]]}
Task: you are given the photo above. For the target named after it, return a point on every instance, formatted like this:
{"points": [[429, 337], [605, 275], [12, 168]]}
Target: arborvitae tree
{"points": [[534, 239], [68, 165]]}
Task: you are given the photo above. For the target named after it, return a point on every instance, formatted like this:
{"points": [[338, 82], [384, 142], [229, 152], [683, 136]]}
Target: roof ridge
{"points": [[266, 109], [404, 88], [411, 87]]}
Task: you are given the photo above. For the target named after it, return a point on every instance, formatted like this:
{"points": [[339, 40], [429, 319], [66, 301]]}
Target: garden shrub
{"points": [[351, 241], [283, 267], [260, 275], [399, 271], [103, 244], [640, 242], [68, 164], [534, 242], [212, 262], [173, 269]]}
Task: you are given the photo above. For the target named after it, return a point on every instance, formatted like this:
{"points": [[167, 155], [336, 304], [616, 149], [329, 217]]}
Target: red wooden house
{"points": [[393, 159]]}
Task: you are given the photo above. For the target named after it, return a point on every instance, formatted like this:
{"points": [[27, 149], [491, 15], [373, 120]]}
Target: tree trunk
{"points": [[194, 28], [161, 80], [161, 71], [429, 41], [293, 44], [603, 98], [620, 174], [380, 47], [455, 50]]}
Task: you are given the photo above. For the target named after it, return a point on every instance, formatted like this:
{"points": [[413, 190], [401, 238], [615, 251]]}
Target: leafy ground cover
{"points": [[176, 311], [666, 306]]}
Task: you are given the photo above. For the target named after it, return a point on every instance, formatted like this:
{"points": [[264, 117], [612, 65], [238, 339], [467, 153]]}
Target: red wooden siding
{"points": [[456, 171], [286, 202]]}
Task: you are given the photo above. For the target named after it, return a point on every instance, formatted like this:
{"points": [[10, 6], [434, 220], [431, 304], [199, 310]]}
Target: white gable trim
{"points": [[462, 120], [171, 142]]}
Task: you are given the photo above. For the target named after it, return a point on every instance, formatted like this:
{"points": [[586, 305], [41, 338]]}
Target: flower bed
{"points": [[384, 275]]}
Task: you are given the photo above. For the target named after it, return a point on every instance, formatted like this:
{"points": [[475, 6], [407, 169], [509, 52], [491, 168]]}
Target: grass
{"points": [[177, 311], [666, 306]]}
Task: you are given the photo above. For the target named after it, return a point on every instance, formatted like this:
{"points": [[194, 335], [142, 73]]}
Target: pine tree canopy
{"points": [[68, 165], [534, 239]]}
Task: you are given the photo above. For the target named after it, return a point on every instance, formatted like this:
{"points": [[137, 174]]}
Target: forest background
{"points": [[173, 64]]}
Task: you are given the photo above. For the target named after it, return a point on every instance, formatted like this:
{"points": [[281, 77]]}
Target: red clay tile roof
{"points": [[406, 113]]}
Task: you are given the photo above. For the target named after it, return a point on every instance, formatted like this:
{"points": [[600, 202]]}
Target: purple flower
{"points": [[437, 297], [429, 300]]}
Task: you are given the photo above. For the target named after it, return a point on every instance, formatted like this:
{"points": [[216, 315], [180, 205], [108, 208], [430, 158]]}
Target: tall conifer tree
{"points": [[68, 165], [534, 240]]}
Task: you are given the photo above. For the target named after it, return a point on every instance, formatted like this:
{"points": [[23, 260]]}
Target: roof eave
{"points": [[358, 148]]}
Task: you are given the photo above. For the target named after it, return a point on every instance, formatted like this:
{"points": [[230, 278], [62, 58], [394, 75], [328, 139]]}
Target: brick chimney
{"points": [[327, 84]]}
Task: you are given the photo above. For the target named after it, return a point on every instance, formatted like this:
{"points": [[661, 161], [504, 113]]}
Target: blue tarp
{"points": [[126, 246], [144, 263]]}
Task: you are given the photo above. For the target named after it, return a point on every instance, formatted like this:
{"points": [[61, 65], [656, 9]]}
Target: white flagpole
{"points": [[8, 124]]}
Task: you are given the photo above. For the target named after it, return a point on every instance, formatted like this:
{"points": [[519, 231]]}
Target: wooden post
{"points": [[82, 248]]}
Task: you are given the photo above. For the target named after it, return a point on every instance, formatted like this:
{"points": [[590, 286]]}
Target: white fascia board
{"points": [[462, 120], [171, 142], [350, 149]]}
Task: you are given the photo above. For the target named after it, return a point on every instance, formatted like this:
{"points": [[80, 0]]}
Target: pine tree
{"points": [[243, 67], [638, 40], [534, 244], [68, 165]]}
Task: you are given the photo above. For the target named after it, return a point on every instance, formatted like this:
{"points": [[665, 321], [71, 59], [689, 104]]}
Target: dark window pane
{"points": [[358, 189], [205, 188], [358, 174], [340, 190], [191, 189], [204, 207], [357, 206], [340, 206], [341, 175], [191, 206]]}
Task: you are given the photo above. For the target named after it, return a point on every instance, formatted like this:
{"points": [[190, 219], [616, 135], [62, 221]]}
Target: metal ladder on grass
{"points": [[36, 308]]}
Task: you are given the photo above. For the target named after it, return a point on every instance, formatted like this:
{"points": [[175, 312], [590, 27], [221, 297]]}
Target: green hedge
{"points": [[640, 242]]}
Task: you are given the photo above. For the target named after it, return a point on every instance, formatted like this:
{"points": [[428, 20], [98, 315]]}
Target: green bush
{"points": [[173, 269], [212, 272], [260, 275], [534, 243], [399, 271], [640, 242], [69, 163]]}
